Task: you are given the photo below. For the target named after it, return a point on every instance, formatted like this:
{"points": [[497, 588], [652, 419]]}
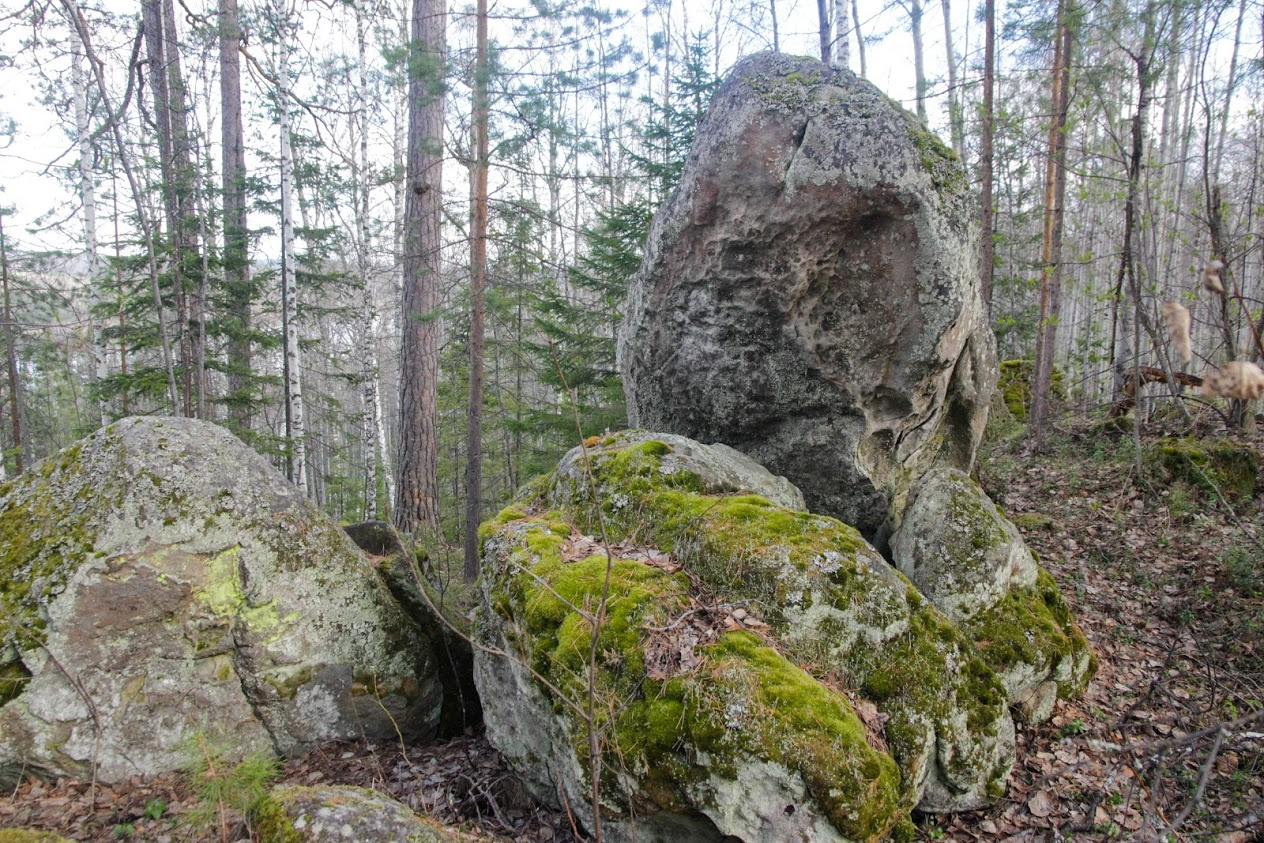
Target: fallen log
{"points": [[1149, 374]]}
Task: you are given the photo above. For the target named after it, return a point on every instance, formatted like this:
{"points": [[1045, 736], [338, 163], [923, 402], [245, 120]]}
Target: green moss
{"points": [[939, 160], [44, 538], [1234, 468], [1014, 384], [1034, 521], [745, 699], [13, 679], [273, 824], [22, 835], [1033, 626]]}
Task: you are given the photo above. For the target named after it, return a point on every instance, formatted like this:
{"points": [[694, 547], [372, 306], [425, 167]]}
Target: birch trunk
{"points": [[295, 432], [368, 351], [88, 196]]}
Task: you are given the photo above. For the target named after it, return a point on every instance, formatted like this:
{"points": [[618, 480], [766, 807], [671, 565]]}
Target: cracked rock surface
{"points": [[162, 584], [809, 294]]}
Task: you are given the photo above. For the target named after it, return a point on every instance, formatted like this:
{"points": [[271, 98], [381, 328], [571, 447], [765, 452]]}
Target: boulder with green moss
{"points": [[703, 713], [810, 292], [1014, 387], [162, 582], [1231, 467], [335, 814], [970, 561]]}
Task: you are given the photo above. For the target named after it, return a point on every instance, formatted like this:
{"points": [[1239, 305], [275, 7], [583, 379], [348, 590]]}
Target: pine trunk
{"points": [[417, 505], [1051, 242]]}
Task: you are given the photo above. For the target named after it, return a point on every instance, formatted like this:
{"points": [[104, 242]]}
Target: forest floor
{"points": [[1166, 578]]}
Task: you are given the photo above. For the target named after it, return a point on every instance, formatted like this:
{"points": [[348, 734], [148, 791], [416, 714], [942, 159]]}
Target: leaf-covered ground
{"points": [[1166, 578]]}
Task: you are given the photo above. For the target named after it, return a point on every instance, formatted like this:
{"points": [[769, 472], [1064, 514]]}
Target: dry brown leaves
{"points": [[1179, 651]]}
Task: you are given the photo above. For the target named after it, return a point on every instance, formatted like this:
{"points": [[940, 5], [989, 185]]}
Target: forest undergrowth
{"points": [[1166, 578]]}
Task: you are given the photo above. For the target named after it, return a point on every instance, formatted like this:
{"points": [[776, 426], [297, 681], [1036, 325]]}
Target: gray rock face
{"points": [[970, 561], [809, 294], [958, 549], [350, 814], [162, 581]]}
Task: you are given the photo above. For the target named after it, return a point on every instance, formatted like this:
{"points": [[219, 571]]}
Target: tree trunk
{"points": [[178, 174], [919, 68], [956, 120], [11, 358], [418, 487], [237, 282], [296, 433], [823, 29], [860, 38], [776, 34], [988, 250], [87, 195], [841, 49], [1051, 242], [478, 280]]}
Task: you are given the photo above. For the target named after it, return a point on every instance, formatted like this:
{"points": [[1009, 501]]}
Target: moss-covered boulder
{"points": [[162, 581], [327, 814], [971, 562], [1232, 467], [1014, 387], [818, 596]]}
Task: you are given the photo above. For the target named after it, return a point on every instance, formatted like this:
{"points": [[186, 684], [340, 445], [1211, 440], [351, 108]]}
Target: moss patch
{"points": [[1234, 468], [1033, 626], [1014, 384]]}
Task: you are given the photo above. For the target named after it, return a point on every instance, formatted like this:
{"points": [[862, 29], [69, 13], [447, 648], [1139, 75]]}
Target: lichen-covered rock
{"points": [[970, 561], [448, 633], [828, 598], [809, 293], [678, 750], [327, 814], [161, 581], [957, 548]]}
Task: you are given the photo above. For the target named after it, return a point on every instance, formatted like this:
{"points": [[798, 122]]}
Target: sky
{"points": [[38, 142]]}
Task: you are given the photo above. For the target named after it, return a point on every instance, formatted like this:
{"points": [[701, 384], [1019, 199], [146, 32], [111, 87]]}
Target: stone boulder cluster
{"points": [[802, 631]]}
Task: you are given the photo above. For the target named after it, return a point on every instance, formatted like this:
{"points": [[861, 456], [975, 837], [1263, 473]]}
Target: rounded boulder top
{"points": [[810, 292]]}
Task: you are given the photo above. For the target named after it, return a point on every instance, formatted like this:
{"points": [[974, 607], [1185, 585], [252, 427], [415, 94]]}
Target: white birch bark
{"points": [[293, 360], [840, 50], [87, 195], [368, 349]]}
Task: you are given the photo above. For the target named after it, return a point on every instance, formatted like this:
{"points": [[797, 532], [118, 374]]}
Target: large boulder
{"points": [[162, 584], [720, 600], [967, 558], [810, 296]]}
